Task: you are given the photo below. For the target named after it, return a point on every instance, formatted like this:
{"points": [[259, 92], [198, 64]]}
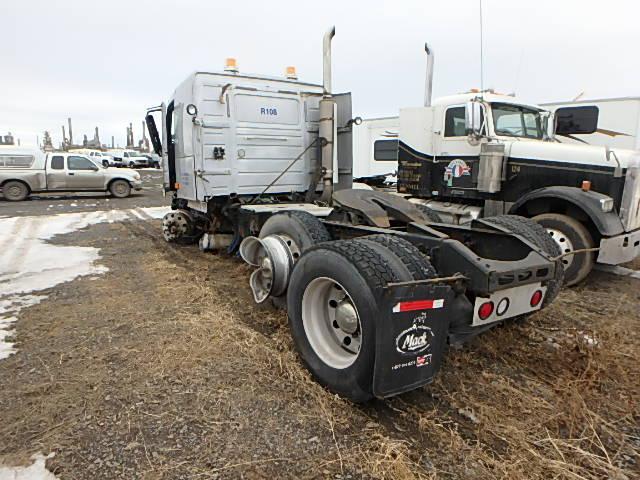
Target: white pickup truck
{"points": [[25, 171]]}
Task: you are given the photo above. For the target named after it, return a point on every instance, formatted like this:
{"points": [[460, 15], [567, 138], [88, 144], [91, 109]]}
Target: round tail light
{"points": [[536, 298], [485, 310]]}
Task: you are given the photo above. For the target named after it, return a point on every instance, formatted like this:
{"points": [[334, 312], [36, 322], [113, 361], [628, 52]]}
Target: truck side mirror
{"points": [[153, 134], [473, 118], [576, 120]]}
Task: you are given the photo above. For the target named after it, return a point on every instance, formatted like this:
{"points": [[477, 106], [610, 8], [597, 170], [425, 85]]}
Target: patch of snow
{"points": [[28, 263], [36, 471]]}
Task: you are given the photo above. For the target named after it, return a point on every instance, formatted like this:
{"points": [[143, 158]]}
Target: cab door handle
{"points": [[70, 173]]}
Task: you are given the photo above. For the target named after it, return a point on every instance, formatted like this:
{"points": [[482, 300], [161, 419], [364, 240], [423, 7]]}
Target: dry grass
{"points": [[185, 378]]}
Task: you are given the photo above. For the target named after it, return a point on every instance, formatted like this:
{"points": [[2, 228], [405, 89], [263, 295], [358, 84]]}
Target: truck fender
{"points": [[607, 223]]}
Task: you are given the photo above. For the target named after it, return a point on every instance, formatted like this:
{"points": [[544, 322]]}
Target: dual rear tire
{"points": [[332, 298]]}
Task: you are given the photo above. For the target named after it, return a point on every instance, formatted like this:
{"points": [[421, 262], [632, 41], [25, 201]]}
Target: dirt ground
{"points": [[163, 368]]}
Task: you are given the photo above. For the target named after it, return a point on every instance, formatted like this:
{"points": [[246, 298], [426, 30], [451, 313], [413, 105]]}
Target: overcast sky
{"points": [[103, 63]]}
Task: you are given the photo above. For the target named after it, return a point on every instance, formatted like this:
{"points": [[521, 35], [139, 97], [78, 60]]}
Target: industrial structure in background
{"points": [[67, 143], [8, 140]]}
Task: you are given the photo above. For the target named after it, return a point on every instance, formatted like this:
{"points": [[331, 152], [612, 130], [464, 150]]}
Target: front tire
{"points": [[15, 191], [120, 188], [569, 234]]}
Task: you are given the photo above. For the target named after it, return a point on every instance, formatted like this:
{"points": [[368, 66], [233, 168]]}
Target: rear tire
{"points": [[15, 191], [537, 235], [431, 215], [302, 228], [569, 234], [120, 188], [325, 278], [412, 258]]}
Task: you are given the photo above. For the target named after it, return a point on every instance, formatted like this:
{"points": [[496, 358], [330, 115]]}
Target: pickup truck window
{"points": [[57, 163], [9, 161], [80, 163]]}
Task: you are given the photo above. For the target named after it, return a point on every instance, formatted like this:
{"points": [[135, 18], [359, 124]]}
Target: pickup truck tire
{"points": [[536, 234], [120, 188], [569, 234], [332, 306], [15, 191]]}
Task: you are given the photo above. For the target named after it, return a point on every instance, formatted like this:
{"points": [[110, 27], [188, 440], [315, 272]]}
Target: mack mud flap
{"points": [[411, 336]]}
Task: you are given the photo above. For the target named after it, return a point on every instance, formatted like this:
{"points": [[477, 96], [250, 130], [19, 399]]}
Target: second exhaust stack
{"points": [[428, 87]]}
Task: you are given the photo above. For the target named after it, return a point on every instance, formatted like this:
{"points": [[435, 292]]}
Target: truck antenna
{"points": [[481, 54]]}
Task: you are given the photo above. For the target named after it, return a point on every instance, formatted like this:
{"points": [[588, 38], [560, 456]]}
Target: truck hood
{"points": [[570, 153], [123, 172]]}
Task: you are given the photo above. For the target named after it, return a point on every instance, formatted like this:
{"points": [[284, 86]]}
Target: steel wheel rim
{"points": [[324, 303], [564, 243], [121, 188], [174, 226], [14, 192]]}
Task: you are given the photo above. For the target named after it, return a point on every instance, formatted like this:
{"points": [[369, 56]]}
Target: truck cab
{"points": [[481, 154]]}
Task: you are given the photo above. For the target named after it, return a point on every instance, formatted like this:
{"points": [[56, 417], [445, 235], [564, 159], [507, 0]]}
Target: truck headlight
{"points": [[136, 176], [606, 204]]}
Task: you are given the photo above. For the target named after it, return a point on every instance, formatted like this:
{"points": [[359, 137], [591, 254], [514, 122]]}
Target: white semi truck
{"points": [[374, 289], [482, 154]]}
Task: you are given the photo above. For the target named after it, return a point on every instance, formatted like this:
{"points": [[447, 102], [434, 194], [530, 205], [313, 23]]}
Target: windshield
{"points": [[97, 163], [516, 121]]}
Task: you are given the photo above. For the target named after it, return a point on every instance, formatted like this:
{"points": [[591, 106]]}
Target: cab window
{"points": [[454, 122], [80, 163]]}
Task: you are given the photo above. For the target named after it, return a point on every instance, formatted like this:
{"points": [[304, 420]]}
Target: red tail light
{"points": [[536, 298], [485, 310]]}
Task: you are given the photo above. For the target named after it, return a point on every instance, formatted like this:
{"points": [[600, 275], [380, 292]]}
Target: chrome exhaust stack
{"points": [[326, 60], [428, 87], [328, 121]]}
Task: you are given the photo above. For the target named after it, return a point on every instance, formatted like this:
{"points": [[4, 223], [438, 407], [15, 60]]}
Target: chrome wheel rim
{"points": [[331, 323], [565, 245]]}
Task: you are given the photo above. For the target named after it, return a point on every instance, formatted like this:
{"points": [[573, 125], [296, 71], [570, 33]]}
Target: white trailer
{"points": [[375, 149], [618, 122]]}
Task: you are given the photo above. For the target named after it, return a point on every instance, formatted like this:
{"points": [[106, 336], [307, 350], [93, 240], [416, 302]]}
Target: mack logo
{"points": [[414, 339]]}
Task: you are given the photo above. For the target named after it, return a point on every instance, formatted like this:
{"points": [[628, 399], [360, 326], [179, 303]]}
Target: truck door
{"points": [[183, 144], [213, 152], [456, 160], [83, 174], [56, 173]]}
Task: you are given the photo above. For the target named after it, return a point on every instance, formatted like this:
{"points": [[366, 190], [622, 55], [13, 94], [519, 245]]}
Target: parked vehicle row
{"points": [[126, 158]]}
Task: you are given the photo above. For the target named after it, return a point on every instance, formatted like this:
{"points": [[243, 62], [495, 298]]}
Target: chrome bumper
{"points": [[619, 249]]}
